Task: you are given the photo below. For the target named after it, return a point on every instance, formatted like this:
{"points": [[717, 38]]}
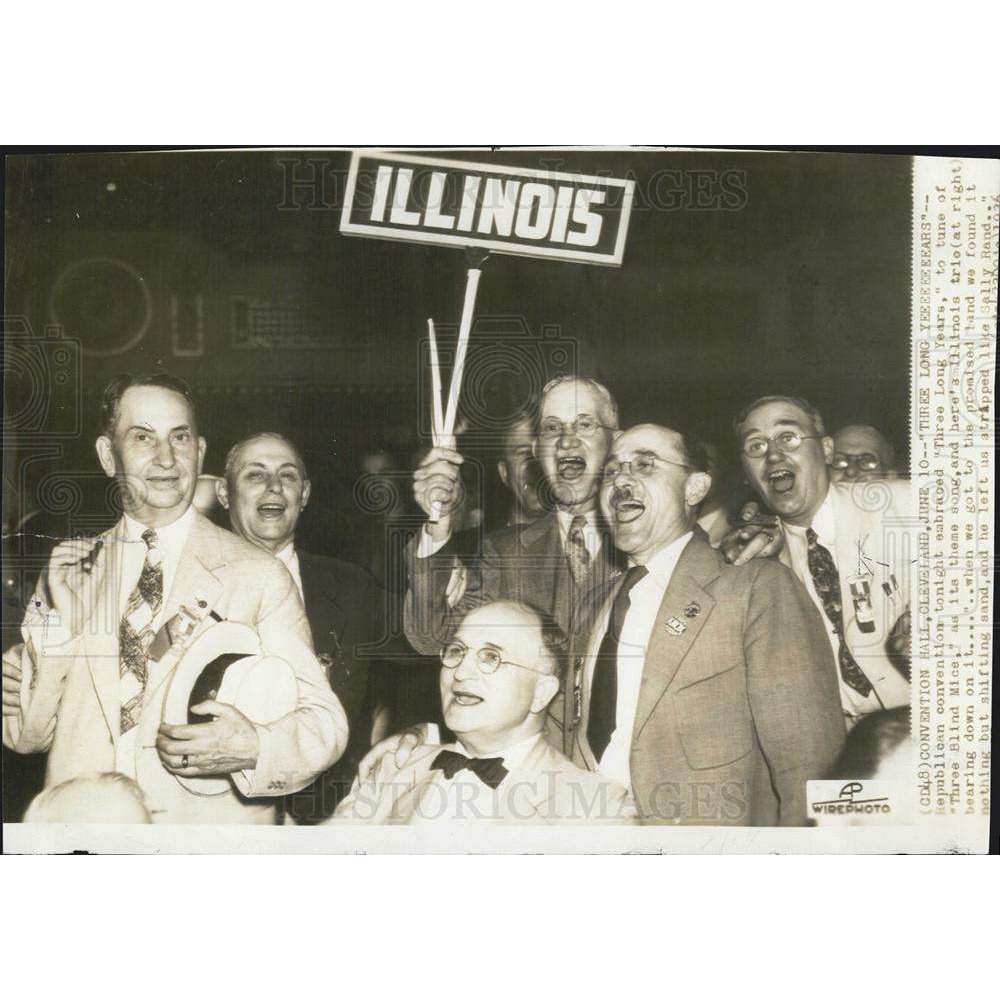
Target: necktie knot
{"points": [[149, 537], [811, 538], [489, 770], [632, 577]]}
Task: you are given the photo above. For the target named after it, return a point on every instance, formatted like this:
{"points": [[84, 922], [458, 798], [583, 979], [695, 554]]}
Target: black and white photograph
{"points": [[563, 500]]}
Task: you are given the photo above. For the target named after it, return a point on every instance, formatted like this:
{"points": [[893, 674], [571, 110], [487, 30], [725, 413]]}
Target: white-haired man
{"points": [[549, 563]]}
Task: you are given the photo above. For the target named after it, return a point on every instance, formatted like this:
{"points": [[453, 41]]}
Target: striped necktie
{"points": [[576, 550], [135, 632], [827, 582]]}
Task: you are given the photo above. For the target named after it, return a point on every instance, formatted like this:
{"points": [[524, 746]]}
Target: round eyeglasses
{"points": [[489, 658], [584, 426], [642, 465], [756, 447], [866, 462]]}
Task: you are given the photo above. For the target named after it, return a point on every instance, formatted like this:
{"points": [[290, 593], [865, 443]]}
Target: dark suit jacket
{"points": [[346, 612], [522, 562], [737, 710]]}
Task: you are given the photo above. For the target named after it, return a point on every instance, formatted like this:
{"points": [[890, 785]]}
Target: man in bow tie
{"points": [[707, 689], [499, 673]]}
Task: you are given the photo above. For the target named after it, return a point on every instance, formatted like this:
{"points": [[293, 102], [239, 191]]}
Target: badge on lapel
{"points": [[677, 626]]}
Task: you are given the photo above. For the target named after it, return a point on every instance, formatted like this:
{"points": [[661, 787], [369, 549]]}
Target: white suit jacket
{"points": [[70, 702], [877, 540], [546, 787]]}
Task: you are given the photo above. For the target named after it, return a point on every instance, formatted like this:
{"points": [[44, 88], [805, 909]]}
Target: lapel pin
{"points": [[675, 626], [692, 610]]}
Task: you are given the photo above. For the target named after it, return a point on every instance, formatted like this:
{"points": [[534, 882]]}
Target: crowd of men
{"points": [[625, 649]]}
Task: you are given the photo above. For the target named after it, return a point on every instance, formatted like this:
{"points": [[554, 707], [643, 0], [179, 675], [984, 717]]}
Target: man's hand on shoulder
{"points": [[755, 534], [401, 746]]}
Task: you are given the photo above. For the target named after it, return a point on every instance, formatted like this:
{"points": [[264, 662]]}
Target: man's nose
{"points": [[568, 436], [852, 470], [467, 667], [774, 453], [273, 484], [165, 455]]}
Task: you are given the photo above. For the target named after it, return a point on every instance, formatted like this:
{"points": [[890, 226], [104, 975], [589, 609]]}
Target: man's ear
{"points": [[546, 688], [696, 488], [504, 472], [827, 443], [106, 455], [201, 453], [222, 491], [306, 490]]}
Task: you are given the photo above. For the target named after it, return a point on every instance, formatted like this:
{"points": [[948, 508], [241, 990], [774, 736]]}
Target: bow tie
{"points": [[489, 770]]}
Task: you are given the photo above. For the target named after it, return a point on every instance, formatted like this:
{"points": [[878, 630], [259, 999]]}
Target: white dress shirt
{"points": [[170, 540], [464, 796], [825, 525], [290, 558], [644, 606]]}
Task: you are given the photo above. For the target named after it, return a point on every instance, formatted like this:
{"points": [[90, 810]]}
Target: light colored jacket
{"points": [[70, 702], [545, 788], [738, 705]]}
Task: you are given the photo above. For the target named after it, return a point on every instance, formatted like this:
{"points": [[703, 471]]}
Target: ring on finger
{"points": [[184, 761]]}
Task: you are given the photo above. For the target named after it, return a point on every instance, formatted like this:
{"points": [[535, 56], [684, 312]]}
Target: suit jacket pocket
{"points": [[713, 719]]}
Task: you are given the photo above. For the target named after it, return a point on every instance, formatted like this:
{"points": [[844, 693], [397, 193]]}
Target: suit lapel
{"points": [[316, 588], [697, 566], [102, 629], [195, 587]]}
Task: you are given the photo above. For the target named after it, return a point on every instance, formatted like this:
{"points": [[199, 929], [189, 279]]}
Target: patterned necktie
{"points": [[827, 582], [135, 632], [489, 770], [576, 550], [604, 687]]}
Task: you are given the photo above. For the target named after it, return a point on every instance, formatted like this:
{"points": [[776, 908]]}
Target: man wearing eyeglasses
{"points": [[549, 563], [861, 453], [498, 676], [848, 543], [707, 689]]}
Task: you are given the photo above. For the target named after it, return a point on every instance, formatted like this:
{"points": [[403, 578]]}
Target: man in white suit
{"points": [[499, 674], [850, 545], [110, 620]]}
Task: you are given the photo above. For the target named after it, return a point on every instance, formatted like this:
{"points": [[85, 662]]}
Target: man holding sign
{"points": [[549, 563]]}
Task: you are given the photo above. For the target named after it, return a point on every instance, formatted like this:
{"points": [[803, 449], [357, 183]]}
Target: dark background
{"points": [[744, 274], [793, 279]]}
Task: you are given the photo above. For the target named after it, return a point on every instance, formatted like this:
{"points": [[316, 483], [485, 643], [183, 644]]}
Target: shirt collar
{"points": [[170, 538], [566, 520], [824, 522], [661, 567], [513, 756], [288, 555]]}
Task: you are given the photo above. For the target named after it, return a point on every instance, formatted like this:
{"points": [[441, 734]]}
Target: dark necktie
{"points": [[576, 550], [604, 687], [827, 582], [489, 770]]}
